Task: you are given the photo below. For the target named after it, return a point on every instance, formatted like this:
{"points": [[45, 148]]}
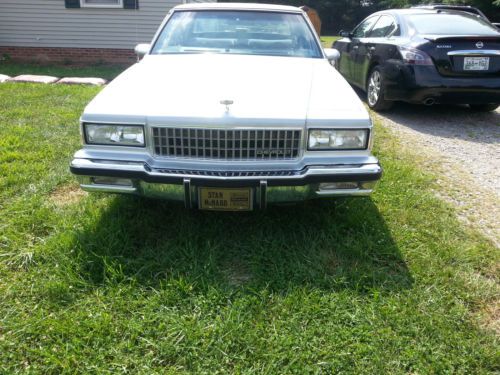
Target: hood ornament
{"points": [[227, 103], [479, 45]]}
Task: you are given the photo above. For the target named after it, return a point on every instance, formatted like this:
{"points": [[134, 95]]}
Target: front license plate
{"points": [[225, 199], [476, 63]]}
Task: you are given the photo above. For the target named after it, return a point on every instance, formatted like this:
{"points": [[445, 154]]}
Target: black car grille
{"points": [[230, 144]]}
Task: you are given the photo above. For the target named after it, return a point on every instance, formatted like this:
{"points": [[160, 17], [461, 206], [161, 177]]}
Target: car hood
{"points": [[228, 89]]}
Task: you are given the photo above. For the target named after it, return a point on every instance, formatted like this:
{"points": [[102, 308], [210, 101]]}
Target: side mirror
{"points": [[142, 49], [332, 54], [345, 34]]}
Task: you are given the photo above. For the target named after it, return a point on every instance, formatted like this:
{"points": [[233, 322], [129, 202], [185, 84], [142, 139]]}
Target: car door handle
{"points": [[371, 49], [355, 47]]}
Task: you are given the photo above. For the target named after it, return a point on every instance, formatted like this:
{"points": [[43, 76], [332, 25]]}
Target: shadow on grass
{"points": [[319, 244]]}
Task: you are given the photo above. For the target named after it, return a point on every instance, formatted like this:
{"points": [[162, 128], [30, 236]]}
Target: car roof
{"points": [[418, 10], [239, 6], [467, 8], [463, 8]]}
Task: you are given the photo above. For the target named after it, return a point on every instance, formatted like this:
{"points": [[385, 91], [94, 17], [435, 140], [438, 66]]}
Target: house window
{"points": [[124, 4], [101, 3]]}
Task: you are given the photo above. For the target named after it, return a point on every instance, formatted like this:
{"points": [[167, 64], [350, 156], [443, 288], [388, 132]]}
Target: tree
{"points": [[345, 14], [335, 14]]}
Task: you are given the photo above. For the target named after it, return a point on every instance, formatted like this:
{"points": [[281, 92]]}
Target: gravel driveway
{"points": [[463, 147]]}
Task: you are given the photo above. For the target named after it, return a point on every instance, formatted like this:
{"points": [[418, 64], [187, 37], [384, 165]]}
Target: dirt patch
{"points": [[462, 149], [67, 194], [491, 317]]}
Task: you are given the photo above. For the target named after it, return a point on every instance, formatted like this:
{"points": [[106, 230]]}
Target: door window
{"points": [[364, 27], [384, 27]]}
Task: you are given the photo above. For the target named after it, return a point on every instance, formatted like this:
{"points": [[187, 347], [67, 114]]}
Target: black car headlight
{"points": [[338, 139], [119, 135]]}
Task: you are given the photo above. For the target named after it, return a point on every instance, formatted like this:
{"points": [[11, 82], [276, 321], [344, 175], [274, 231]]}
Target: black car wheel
{"points": [[483, 107], [375, 91]]}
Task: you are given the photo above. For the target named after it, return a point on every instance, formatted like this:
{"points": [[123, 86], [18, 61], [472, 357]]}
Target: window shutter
{"points": [[130, 4], [72, 3]]}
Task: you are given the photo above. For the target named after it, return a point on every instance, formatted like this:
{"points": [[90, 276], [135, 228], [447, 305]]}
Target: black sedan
{"points": [[423, 56]]}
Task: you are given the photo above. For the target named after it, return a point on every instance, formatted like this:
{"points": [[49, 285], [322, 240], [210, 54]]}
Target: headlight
{"points": [[336, 139], [121, 135]]}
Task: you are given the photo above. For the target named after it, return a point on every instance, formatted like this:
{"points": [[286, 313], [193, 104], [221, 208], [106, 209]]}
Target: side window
{"points": [[364, 27], [384, 26]]}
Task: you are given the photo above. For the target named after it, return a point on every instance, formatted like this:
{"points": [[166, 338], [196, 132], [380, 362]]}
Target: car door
{"points": [[372, 47], [359, 36], [348, 46]]}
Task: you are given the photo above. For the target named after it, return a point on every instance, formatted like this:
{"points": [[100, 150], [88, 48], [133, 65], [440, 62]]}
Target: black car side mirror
{"points": [[345, 34]]}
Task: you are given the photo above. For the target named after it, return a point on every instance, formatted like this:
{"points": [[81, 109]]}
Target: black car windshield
{"points": [[451, 24], [237, 32]]}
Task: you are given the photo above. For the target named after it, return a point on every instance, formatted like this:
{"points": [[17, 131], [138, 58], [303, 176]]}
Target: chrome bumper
{"points": [[269, 186]]}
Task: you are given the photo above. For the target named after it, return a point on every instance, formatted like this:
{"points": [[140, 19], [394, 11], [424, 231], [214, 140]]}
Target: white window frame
{"points": [[84, 4]]}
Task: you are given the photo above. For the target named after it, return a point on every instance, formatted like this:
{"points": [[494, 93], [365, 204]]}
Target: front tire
{"points": [[483, 107], [375, 91]]}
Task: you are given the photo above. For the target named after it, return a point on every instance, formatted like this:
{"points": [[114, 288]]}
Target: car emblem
{"points": [[271, 152], [227, 103], [479, 45]]}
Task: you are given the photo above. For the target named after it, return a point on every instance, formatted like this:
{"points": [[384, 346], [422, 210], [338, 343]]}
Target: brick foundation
{"points": [[69, 55]]}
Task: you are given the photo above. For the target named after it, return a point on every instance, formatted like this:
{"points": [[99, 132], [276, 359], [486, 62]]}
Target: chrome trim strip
{"points": [[106, 122], [146, 191], [202, 173], [475, 52], [343, 192], [109, 188], [308, 171]]}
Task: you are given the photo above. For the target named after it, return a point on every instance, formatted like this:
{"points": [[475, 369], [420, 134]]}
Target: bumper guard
{"points": [[269, 186]]}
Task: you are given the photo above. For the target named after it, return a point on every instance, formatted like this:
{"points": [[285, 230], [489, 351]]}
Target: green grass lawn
{"points": [[101, 71], [328, 40], [112, 284]]}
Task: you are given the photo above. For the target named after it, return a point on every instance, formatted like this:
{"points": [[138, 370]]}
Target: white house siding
{"points": [[47, 23]]}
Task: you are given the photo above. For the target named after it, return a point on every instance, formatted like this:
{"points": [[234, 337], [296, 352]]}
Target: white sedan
{"points": [[231, 107]]}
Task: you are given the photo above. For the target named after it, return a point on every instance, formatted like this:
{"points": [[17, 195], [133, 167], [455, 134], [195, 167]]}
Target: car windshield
{"points": [[237, 32], [447, 23]]}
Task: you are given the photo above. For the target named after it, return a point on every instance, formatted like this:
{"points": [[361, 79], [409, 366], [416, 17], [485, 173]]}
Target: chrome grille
{"points": [[227, 144], [279, 173]]}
